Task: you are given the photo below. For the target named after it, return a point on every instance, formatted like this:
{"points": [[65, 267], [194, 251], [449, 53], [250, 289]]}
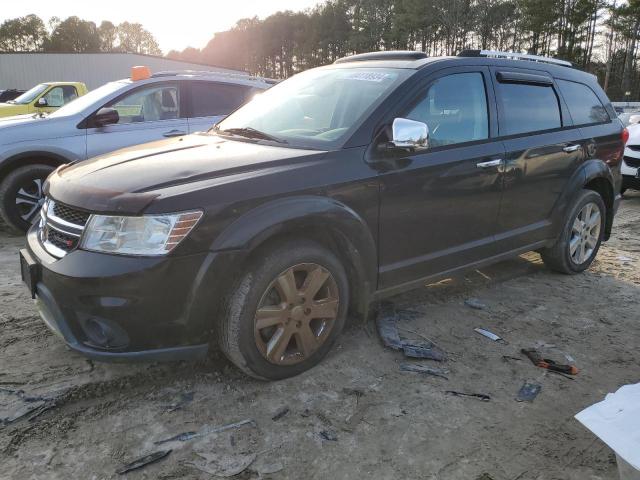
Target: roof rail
{"points": [[202, 73], [514, 56], [384, 55]]}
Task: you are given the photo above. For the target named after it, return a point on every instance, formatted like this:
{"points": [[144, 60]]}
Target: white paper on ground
{"points": [[616, 421]]}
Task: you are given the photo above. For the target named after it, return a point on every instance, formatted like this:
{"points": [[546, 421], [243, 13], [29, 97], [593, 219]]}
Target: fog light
{"points": [[104, 333]]}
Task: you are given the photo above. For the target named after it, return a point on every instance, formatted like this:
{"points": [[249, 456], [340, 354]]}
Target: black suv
{"points": [[337, 187]]}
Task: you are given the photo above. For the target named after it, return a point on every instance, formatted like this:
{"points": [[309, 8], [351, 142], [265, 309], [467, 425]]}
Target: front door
{"points": [[543, 150], [152, 112], [439, 206]]}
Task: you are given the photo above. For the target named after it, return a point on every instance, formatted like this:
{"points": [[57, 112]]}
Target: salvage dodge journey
{"points": [[333, 189]]}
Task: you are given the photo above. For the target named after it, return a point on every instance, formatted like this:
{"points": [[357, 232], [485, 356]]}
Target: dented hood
{"points": [[128, 180]]}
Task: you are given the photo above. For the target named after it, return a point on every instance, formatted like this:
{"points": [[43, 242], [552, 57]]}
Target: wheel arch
{"points": [[30, 158], [326, 221]]}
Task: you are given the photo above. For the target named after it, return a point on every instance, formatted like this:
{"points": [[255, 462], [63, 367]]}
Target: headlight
{"points": [[145, 235]]}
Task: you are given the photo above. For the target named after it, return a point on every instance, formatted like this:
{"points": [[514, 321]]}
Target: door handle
{"points": [[174, 133], [571, 148], [490, 163]]}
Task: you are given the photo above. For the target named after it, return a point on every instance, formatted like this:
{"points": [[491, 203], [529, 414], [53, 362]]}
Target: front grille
{"points": [[69, 214], [632, 162], [60, 227]]}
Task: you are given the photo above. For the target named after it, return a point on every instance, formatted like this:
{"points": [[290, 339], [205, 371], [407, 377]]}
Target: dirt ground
{"points": [[356, 415]]}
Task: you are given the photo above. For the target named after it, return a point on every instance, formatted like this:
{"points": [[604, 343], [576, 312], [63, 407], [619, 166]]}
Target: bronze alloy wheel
{"points": [[296, 314]]}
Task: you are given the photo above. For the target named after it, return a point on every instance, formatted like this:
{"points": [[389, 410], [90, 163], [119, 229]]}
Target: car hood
{"points": [[35, 127], [11, 109], [127, 180]]}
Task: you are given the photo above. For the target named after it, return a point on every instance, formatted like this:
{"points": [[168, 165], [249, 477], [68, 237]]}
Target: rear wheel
{"points": [[580, 240], [21, 196], [286, 311]]}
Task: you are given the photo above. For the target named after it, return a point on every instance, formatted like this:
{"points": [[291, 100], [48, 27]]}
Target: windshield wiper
{"points": [[250, 132]]}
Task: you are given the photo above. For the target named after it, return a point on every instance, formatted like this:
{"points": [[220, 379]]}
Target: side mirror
{"points": [[106, 116], [633, 119], [409, 134], [42, 102]]}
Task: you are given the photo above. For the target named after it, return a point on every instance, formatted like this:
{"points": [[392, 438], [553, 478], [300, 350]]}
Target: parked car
{"points": [[9, 94], [118, 114], [333, 189], [43, 98], [631, 160]]}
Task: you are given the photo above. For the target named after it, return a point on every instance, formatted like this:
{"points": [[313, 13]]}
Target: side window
{"points": [[160, 102], [455, 109], [59, 96], [528, 108], [584, 106], [209, 99]]}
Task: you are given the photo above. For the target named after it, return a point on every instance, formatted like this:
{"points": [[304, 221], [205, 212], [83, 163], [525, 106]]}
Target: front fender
{"points": [[295, 214]]}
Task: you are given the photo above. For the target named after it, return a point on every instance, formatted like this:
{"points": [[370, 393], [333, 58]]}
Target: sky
{"points": [[176, 25]]}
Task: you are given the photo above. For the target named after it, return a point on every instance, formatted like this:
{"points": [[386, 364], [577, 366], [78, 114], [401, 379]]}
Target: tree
{"points": [[74, 35], [108, 34], [133, 38], [23, 34]]}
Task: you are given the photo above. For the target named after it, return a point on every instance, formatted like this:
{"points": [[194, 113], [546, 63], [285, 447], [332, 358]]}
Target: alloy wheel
{"points": [[585, 233], [296, 314], [29, 199]]}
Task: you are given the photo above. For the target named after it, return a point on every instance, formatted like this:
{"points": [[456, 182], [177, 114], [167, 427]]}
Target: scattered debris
{"points": [[280, 413], [143, 461], [412, 367], [475, 304], [354, 420], [479, 396], [506, 358], [528, 392], [183, 437], [223, 466], [388, 330], [356, 392], [17, 404], [268, 468], [329, 435], [185, 399], [539, 361], [490, 335], [624, 258]]}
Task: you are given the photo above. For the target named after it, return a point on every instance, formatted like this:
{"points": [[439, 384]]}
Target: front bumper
{"points": [[111, 307]]}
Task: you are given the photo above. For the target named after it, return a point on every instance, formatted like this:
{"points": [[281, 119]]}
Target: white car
{"points": [[631, 160], [119, 114]]}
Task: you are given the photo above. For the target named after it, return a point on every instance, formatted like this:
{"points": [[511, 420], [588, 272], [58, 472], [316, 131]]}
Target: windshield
{"points": [[30, 95], [316, 109], [86, 101]]}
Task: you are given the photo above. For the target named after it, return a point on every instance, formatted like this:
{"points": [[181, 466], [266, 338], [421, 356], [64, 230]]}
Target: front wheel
{"points": [[580, 240], [21, 196], [286, 311]]}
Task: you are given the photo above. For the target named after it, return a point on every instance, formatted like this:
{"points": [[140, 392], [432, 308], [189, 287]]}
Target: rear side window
{"points": [[455, 110], [210, 99], [584, 106], [528, 108]]}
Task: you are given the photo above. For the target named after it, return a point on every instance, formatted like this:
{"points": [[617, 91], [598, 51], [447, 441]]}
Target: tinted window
{"points": [[455, 110], [149, 104], [210, 99], [528, 108], [584, 105]]}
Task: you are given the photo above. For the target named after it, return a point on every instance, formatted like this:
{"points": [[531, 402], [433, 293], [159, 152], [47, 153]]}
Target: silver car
{"points": [[118, 114]]}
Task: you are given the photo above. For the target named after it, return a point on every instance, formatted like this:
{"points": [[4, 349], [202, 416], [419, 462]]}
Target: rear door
{"points": [[439, 207], [147, 113], [543, 149], [210, 102]]}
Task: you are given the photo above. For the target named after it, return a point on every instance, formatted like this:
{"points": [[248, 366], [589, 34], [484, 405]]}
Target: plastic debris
{"points": [[223, 466], [490, 335], [475, 304], [412, 367], [280, 413], [528, 392], [539, 360], [480, 396], [183, 437], [143, 461], [387, 328], [185, 399], [329, 435]]}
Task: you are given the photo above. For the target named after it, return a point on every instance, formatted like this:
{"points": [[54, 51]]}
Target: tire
{"points": [[261, 288], [560, 257], [22, 185]]}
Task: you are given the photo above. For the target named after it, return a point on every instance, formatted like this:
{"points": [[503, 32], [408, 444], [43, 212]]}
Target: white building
{"points": [[24, 70]]}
